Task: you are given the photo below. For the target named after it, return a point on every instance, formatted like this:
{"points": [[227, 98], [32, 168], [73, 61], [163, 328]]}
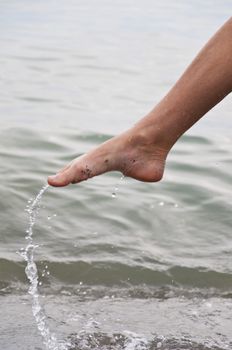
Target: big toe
{"points": [[61, 179]]}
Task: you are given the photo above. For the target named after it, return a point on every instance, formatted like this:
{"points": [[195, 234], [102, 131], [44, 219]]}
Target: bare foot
{"points": [[131, 153]]}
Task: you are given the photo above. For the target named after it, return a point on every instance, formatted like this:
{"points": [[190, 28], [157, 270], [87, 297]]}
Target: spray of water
{"points": [[49, 339]]}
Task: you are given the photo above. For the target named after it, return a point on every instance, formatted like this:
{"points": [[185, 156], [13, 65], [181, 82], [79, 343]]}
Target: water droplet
{"points": [[114, 194], [161, 204]]}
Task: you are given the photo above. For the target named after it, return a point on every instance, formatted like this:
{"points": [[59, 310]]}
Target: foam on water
{"points": [[49, 339], [135, 341]]}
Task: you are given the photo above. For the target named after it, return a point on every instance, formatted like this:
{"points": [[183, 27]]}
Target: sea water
{"points": [[72, 76], [84, 339]]}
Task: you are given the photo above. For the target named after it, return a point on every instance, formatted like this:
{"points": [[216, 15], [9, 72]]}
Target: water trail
{"points": [[49, 339], [116, 188]]}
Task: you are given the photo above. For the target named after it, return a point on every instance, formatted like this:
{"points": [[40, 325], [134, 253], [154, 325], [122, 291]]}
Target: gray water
{"points": [[151, 267]]}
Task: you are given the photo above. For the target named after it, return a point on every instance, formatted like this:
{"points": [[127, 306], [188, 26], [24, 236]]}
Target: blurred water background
{"points": [[152, 267]]}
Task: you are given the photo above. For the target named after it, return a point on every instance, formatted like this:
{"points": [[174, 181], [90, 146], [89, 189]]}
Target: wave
{"points": [[111, 274]]}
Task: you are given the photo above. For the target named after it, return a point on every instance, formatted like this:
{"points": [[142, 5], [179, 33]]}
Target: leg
{"points": [[141, 151]]}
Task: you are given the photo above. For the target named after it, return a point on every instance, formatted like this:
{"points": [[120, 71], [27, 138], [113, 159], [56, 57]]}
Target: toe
{"points": [[63, 178]]}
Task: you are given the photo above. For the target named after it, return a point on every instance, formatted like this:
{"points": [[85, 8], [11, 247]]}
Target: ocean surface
{"points": [[149, 268]]}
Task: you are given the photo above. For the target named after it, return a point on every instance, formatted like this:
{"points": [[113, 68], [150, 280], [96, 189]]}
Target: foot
{"points": [[133, 153]]}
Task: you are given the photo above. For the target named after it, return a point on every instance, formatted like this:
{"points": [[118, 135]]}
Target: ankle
{"points": [[157, 130], [149, 139]]}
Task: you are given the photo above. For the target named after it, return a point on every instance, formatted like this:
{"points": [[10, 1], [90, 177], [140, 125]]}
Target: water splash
{"points": [[49, 339], [135, 341]]}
